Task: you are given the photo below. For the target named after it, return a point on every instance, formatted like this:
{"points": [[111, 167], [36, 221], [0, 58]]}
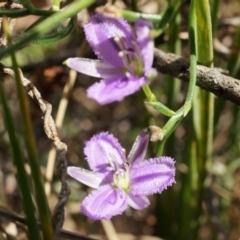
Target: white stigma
{"points": [[121, 54], [128, 75]]}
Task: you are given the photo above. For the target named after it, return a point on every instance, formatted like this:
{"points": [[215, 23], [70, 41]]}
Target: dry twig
{"points": [[210, 79]]}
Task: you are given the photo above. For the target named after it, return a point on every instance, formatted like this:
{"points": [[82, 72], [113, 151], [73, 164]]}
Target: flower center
{"points": [[131, 57], [121, 178]]}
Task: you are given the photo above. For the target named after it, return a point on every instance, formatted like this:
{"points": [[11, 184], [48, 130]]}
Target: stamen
{"points": [[125, 59], [127, 173], [121, 54], [120, 42], [113, 162], [116, 39], [128, 75], [131, 56], [136, 48], [121, 178]]}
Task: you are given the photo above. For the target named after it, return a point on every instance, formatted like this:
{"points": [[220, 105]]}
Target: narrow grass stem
{"points": [[23, 183], [41, 200]]}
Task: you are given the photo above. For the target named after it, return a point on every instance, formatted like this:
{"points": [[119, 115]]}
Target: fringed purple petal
{"points": [[84, 176], [104, 203], [139, 148], [100, 33], [100, 151], [114, 88], [138, 202], [152, 176], [146, 45], [94, 68]]}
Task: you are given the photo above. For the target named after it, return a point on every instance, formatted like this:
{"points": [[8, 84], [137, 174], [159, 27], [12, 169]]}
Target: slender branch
{"points": [[209, 79]]}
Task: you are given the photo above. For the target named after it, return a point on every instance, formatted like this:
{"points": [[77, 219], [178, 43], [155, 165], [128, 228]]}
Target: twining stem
{"points": [[168, 15], [200, 141], [173, 86], [23, 183], [182, 112], [168, 128], [193, 60], [41, 200]]}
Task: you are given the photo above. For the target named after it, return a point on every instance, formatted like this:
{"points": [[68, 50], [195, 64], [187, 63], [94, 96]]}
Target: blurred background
{"points": [[170, 215]]}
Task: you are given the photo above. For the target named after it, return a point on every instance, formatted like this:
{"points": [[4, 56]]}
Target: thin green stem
{"points": [[189, 206], [234, 70], [134, 5], [134, 16], [169, 145], [28, 5], [33, 159], [193, 61], [214, 12], [24, 12], [234, 60], [182, 112], [220, 103], [148, 93], [174, 46], [204, 33], [41, 200], [168, 15], [51, 38], [28, 205], [168, 128], [47, 24], [200, 139], [161, 108], [173, 84], [205, 57]]}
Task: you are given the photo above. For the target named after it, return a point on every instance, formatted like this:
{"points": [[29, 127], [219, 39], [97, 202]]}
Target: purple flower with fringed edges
{"points": [[118, 181], [126, 57]]}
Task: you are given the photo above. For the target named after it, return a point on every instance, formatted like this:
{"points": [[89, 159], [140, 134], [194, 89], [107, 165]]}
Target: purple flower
{"points": [[118, 181], [126, 57]]}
